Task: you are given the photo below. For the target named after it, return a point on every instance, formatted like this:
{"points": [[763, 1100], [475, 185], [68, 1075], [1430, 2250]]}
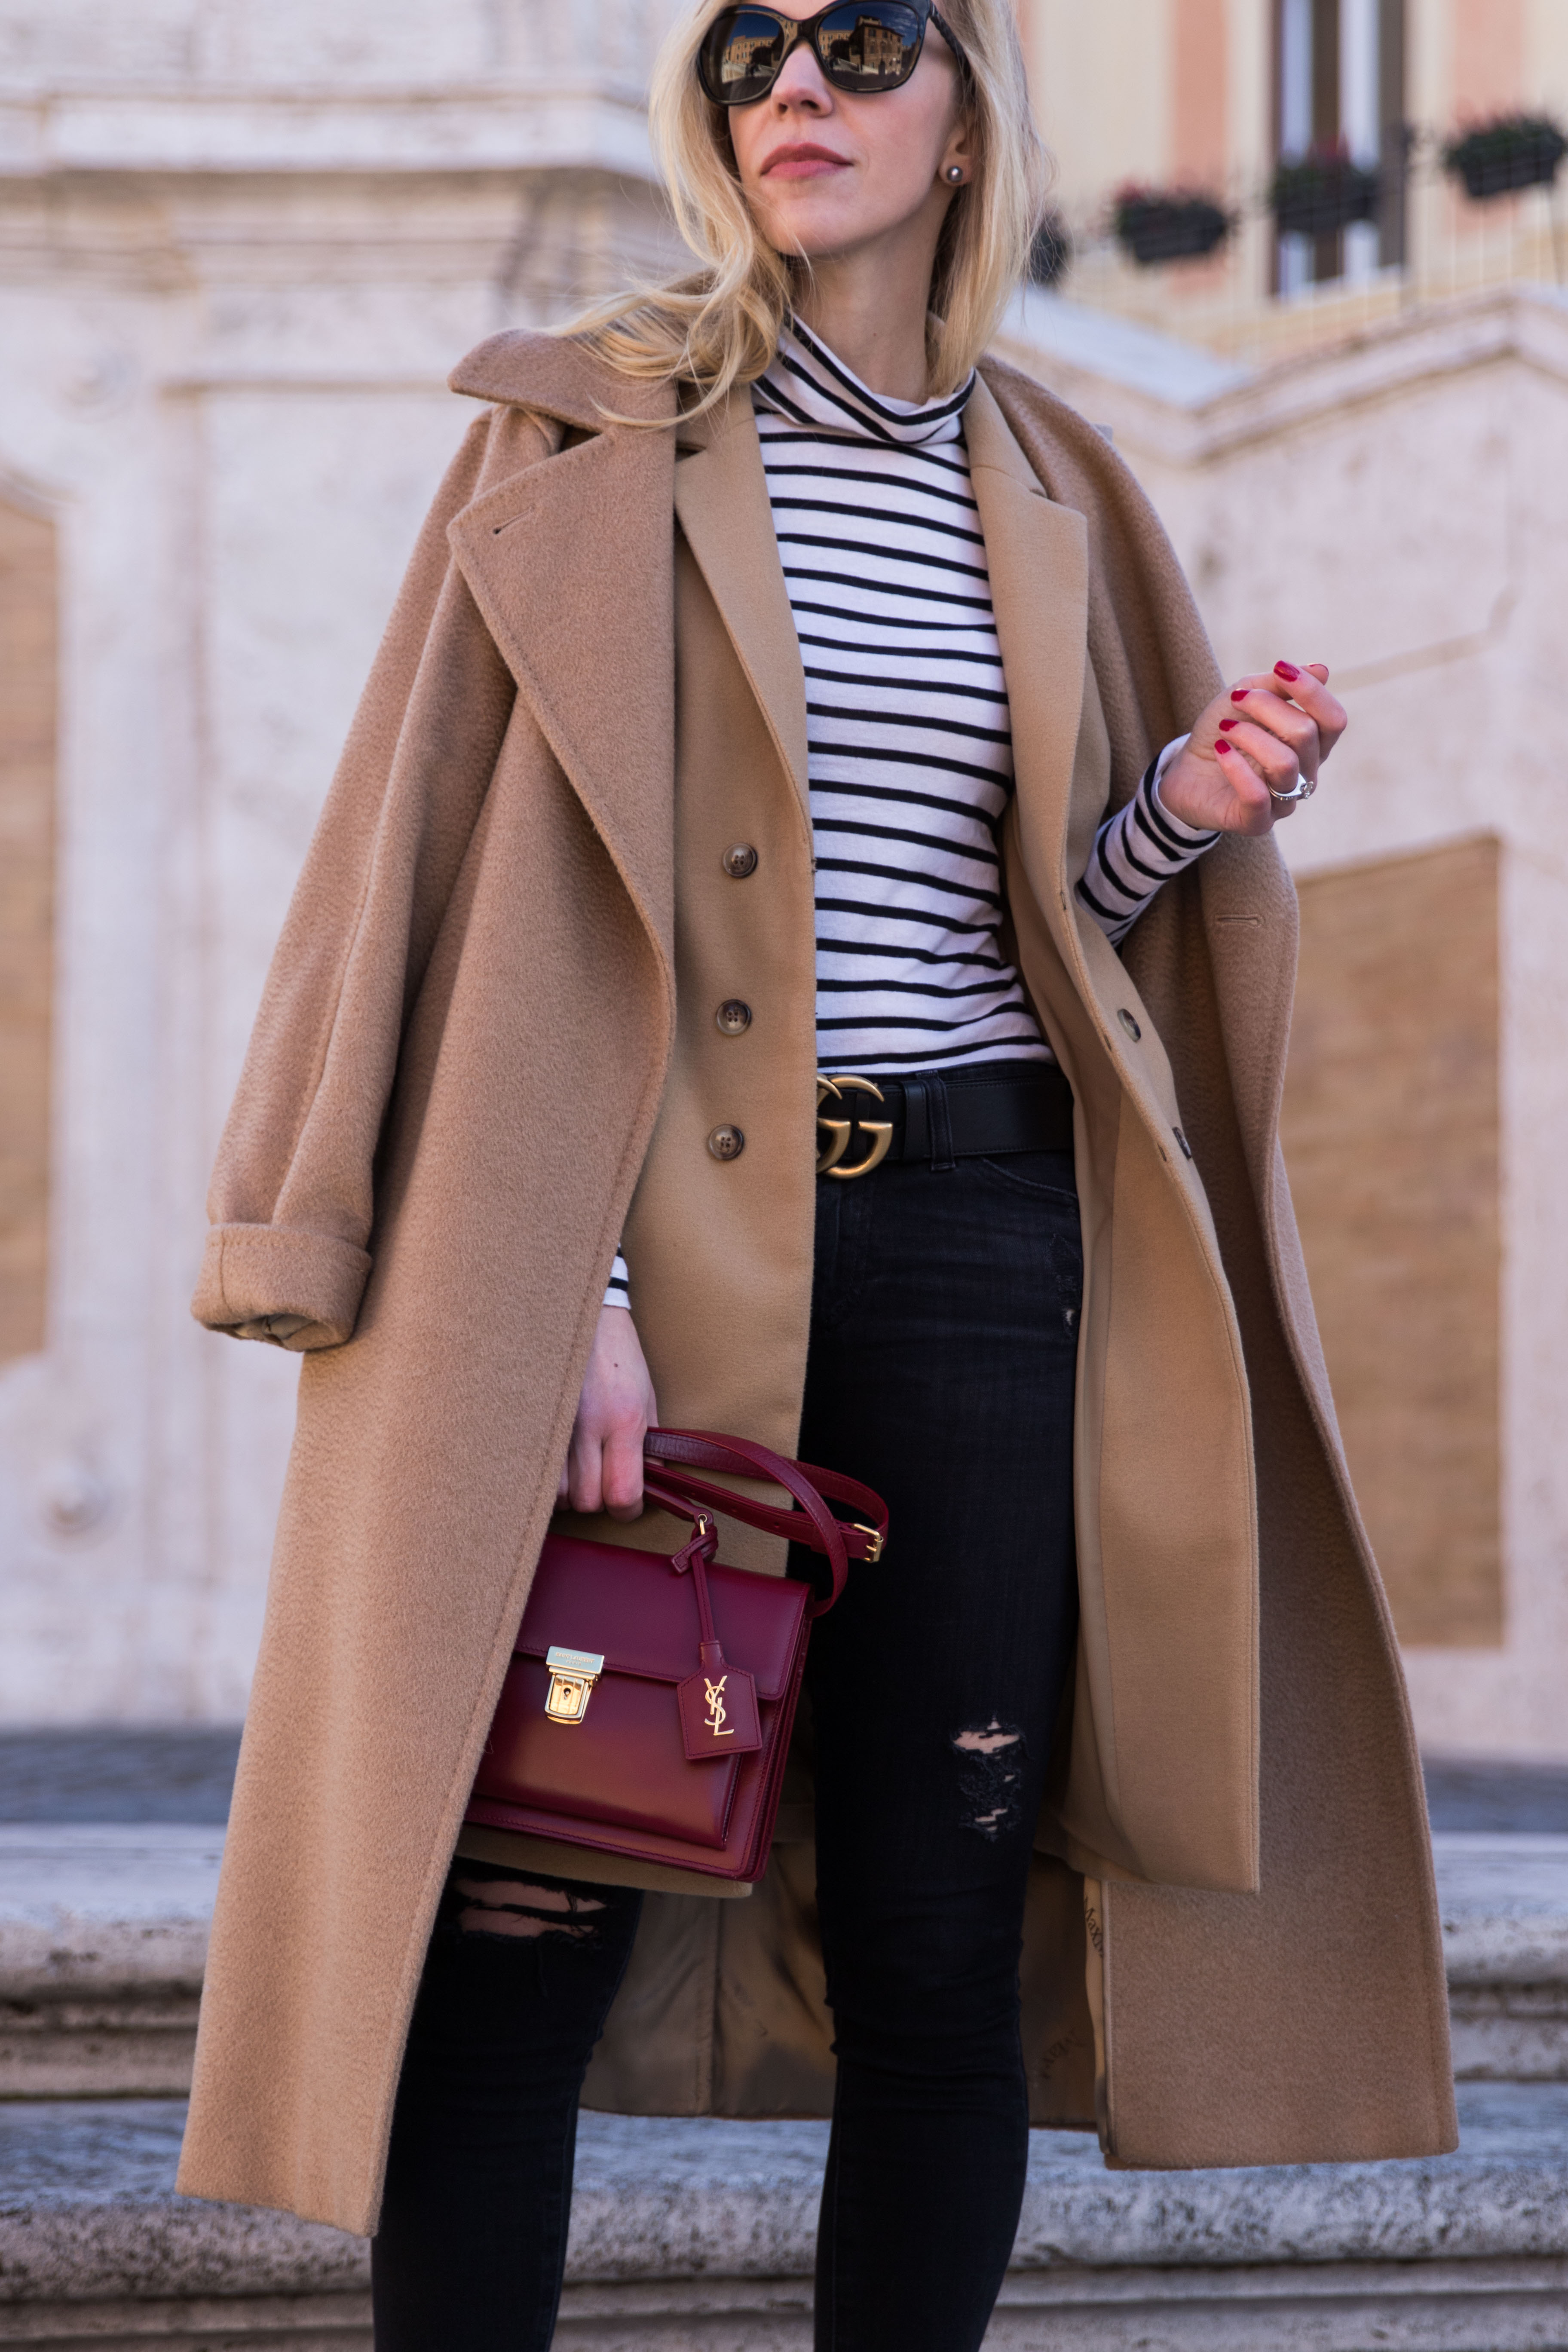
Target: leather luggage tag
{"points": [[719, 1714]]}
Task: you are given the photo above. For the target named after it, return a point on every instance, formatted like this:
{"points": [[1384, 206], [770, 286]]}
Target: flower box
{"points": [[1319, 194], [1501, 157], [1156, 224]]}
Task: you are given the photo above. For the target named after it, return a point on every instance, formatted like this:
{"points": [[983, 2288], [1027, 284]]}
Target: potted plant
{"points": [[1050, 254], [1157, 225], [1321, 192], [1511, 152]]}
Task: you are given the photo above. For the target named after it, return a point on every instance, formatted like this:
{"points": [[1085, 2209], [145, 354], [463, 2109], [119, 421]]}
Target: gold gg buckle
{"points": [[838, 1131], [573, 1673]]}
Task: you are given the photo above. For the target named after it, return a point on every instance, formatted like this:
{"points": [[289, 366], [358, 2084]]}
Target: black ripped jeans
{"points": [[941, 1366]]}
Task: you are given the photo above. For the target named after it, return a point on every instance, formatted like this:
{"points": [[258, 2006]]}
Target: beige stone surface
{"points": [[1390, 1131], [29, 596]]}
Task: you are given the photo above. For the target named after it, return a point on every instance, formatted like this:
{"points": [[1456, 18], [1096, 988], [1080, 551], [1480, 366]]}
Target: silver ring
{"points": [[1305, 787]]}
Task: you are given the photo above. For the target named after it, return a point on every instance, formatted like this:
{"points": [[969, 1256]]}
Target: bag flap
{"points": [[632, 1608]]}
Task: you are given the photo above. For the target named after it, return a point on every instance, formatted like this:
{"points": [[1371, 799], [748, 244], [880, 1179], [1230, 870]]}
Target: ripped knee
{"points": [[990, 1760], [515, 1906]]}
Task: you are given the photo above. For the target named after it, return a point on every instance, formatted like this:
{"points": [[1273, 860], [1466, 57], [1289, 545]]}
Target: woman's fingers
{"points": [[1279, 761], [604, 1468], [1257, 740], [621, 1467], [1294, 704], [1255, 711], [1250, 809]]}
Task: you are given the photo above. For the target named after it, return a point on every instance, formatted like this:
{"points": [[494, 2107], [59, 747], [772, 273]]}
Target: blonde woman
{"points": [[788, 719]]}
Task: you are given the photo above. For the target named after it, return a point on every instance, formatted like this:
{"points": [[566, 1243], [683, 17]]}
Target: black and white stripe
{"points": [[1136, 850], [909, 746], [910, 752]]}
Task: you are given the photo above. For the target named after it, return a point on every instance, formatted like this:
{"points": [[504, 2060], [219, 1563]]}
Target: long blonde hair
{"points": [[719, 325]]}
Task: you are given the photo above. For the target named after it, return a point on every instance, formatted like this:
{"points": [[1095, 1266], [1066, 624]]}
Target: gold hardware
{"points": [[875, 1539], [716, 1708], [573, 1673], [840, 1130]]}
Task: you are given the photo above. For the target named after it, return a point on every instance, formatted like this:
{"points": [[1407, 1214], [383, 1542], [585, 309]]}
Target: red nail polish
{"points": [[1287, 670], [1227, 724], [1239, 693], [1225, 747]]}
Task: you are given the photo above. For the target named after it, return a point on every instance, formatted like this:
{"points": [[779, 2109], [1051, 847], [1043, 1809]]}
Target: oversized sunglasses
{"points": [[868, 46]]}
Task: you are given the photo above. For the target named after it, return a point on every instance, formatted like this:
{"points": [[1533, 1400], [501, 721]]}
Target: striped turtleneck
{"points": [[910, 744], [910, 748]]}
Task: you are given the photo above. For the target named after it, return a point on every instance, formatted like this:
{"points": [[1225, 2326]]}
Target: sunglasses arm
{"points": [[951, 38]]}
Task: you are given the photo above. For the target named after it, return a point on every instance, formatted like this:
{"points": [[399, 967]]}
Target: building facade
{"points": [[1210, 95], [240, 248]]}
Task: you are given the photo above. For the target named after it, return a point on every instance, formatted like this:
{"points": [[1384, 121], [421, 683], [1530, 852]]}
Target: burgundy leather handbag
{"points": [[650, 1701]]}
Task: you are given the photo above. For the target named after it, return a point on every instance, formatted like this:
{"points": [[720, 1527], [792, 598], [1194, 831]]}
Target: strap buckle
{"points": [[838, 1131]]}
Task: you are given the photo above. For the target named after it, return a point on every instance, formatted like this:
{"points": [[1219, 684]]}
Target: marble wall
{"points": [[240, 249]]}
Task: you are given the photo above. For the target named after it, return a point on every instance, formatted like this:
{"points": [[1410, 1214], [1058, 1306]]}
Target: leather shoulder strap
{"points": [[810, 1522]]}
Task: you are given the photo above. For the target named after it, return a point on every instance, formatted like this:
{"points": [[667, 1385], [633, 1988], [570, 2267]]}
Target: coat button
{"points": [[1129, 1024], [726, 1143], [732, 1016], [739, 860]]}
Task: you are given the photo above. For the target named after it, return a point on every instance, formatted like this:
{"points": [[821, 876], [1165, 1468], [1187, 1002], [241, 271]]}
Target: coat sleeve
{"points": [[291, 1202]]}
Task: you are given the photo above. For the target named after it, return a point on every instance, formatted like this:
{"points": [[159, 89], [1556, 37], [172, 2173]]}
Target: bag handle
{"points": [[812, 1524]]}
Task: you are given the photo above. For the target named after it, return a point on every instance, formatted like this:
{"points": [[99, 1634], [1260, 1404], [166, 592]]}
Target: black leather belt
{"points": [[940, 1115]]}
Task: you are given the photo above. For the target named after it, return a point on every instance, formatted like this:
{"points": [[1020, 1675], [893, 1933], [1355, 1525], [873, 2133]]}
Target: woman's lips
{"points": [[802, 164]]}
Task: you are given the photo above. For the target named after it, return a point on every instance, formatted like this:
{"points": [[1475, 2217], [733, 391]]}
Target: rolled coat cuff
{"points": [[251, 1273]]}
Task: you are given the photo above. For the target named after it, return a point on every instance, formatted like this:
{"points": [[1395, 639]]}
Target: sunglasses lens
{"points": [[742, 55], [870, 44]]}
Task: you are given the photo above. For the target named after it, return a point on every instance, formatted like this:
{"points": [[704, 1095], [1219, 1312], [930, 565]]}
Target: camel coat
{"points": [[487, 1048]]}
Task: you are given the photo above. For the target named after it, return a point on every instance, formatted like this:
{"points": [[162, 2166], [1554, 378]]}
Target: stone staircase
{"points": [[700, 2234]]}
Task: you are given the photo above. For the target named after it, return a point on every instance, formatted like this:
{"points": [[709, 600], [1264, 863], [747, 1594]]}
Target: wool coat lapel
{"points": [[1037, 553], [569, 562], [721, 504]]}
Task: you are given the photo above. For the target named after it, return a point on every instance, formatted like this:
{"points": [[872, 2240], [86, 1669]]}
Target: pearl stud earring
{"points": [[955, 173]]}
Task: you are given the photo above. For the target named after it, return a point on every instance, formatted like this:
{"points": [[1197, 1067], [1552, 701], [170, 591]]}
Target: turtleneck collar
{"points": [[807, 386]]}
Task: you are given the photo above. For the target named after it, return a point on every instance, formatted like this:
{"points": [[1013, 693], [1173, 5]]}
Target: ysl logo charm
{"points": [[719, 1716]]}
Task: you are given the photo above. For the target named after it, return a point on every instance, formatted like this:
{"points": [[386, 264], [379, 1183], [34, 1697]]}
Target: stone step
{"points": [[103, 1936], [103, 1939], [1505, 1937], [700, 2234]]}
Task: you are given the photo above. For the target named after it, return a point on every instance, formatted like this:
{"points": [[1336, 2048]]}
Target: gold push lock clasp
{"points": [[573, 1673]]}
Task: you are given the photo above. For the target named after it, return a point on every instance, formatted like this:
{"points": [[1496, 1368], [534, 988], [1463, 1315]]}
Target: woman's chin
{"points": [[818, 224]]}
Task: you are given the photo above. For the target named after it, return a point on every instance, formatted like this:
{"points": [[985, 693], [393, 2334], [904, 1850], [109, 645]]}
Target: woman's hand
{"points": [[1256, 739], [614, 1413]]}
